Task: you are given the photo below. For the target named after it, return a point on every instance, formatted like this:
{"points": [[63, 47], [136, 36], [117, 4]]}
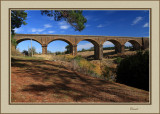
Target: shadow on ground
{"points": [[77, 87]]}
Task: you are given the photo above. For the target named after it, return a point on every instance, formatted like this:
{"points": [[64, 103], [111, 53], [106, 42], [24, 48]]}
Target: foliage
{"points": [[118, 60], [74, 17], [18, 18], [109, 73], [68, 48], [82, 65], [15, 52], [128, 47], [59, 53], [92, 49], [83, 50], [13, 41], [134, 70], [104, 48], [30, 51], [25, 52], [49, 52], [108, 48]]}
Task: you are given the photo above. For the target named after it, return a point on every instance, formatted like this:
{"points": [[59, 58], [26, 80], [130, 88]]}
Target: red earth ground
{"points": [[42, 81]]}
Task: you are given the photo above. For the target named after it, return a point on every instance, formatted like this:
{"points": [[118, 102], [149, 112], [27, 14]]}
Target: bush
{"points": [[15, 52], [82, 65], [109, 73], [118, 60], [134, 70]]}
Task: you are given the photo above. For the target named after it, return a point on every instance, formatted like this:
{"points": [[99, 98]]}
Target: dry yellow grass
{"points": [[105, 53]]}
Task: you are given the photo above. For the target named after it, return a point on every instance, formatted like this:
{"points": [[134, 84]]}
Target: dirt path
{"points": [[47, 81]]}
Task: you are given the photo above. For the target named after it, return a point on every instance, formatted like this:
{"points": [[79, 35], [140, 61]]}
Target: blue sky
{"points": [[134, 23]]}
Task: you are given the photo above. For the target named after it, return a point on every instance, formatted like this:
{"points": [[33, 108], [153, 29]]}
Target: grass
{"points": [[77, 63], [29, 57]]}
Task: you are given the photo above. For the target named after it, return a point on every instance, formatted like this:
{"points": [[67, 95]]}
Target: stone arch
{"points": [[94, 42], [23, 39], [97, 54], [67, 41], [136, 45], [18, 41], [118, 46]]}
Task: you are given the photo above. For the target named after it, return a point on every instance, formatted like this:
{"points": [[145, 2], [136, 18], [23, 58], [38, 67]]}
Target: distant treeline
{"points": [[104, 48], [83, 50]]}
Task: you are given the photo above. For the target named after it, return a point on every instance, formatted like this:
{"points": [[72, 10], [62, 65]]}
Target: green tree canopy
{"points": [[68, 49], [134, 70], [18, 18], [73, 17]]}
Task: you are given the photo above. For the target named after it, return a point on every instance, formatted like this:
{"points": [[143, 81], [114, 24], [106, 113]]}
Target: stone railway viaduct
{"points": [[97, 41]]}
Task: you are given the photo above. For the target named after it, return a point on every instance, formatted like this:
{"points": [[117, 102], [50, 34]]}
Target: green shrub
{"points": [[134, 70], [118, 60], [13, 41]]}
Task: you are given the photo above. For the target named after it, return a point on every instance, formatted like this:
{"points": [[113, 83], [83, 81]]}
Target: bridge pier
{"points": [[119, 49], [122, 49], [136, 47], [44, 49], [74, 50], [98, 52]]}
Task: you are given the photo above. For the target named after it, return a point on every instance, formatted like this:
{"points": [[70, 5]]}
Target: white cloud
{"points": [[51, 31], [63, 49], [89, 45], [47, 26], [107, 43], [137, 20], [63, 25], [85, 46], [100, 26], [146, 25], [128, 44], [37, 30], [17, 30]]}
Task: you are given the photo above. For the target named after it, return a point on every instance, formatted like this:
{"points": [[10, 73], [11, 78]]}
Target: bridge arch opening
{"points": [[24, 46], [108, 48], [59, 47], [132, 45], [88, 49], [26, 39], [111, 47]]}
